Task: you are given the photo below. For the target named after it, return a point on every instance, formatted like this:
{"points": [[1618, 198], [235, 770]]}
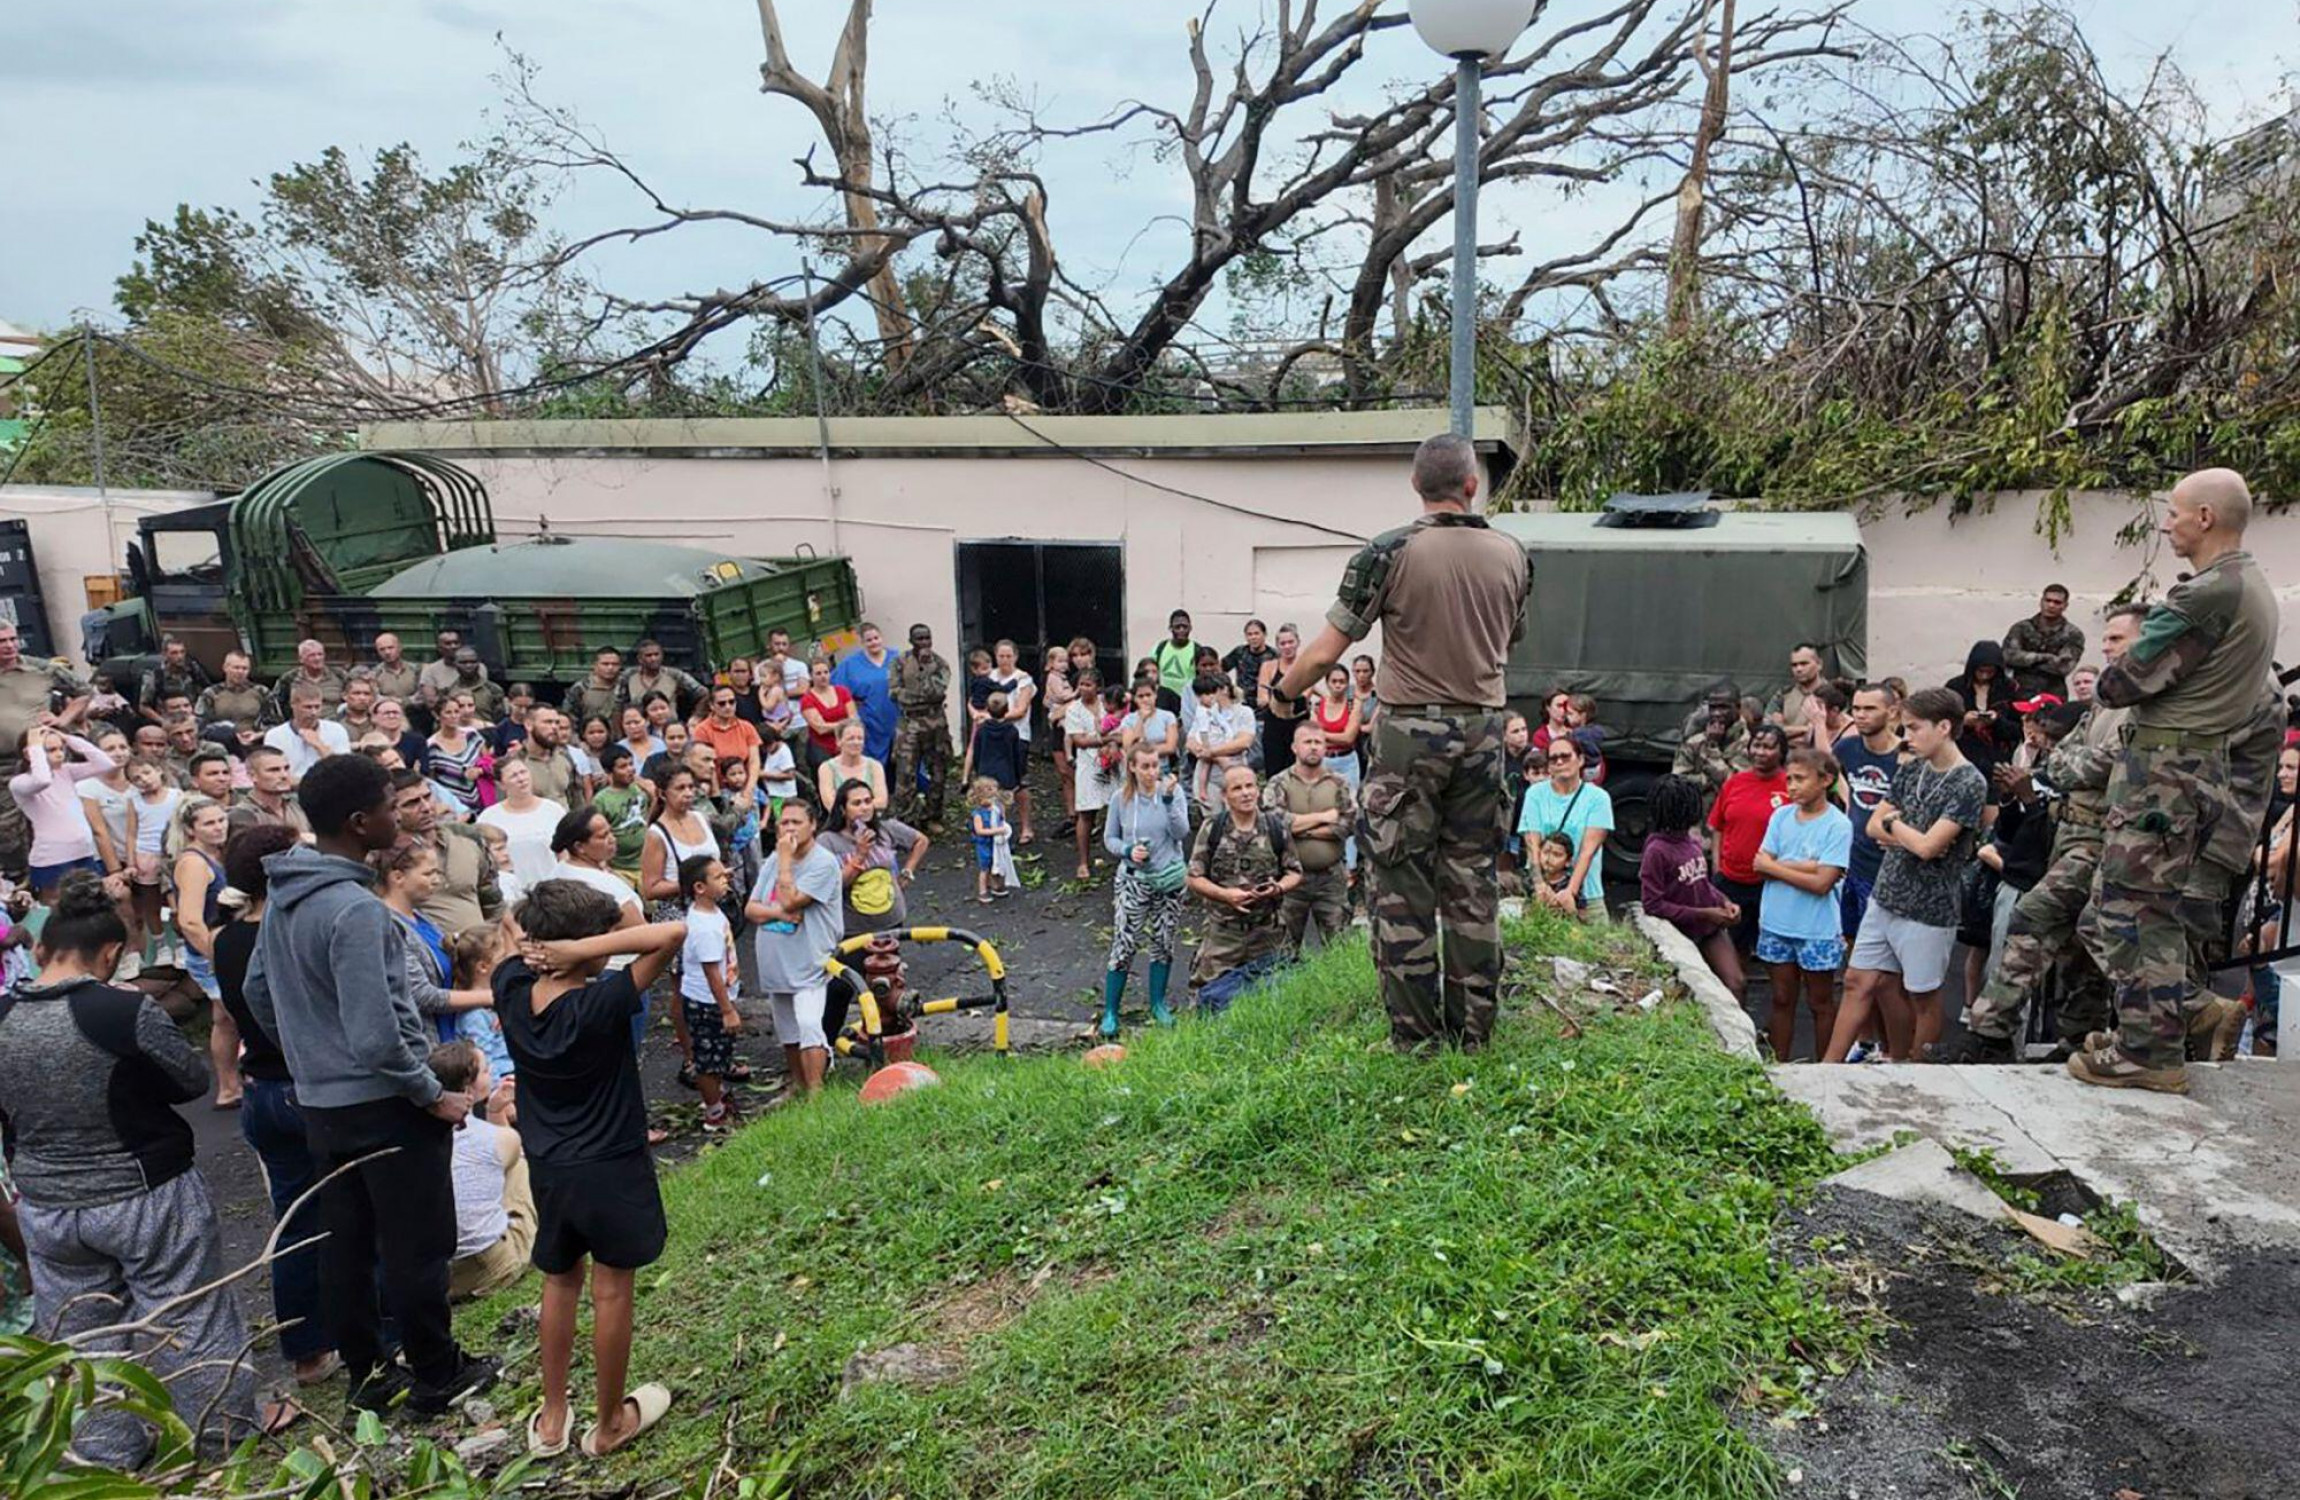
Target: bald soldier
{"points": [[2188, 794], [1449, 594]]}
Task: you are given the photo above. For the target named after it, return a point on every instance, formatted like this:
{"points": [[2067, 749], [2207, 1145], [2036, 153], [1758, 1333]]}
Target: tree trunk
{"points": [[1685, 245], [839, 108]]}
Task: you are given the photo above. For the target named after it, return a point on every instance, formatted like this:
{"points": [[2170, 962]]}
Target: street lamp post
{"points": [[1469, 32]]}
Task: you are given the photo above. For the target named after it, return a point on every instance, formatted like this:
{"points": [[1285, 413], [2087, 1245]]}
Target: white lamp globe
{"points": [[1470, 28]]}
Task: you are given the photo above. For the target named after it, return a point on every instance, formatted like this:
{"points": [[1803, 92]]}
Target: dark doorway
{"points": [[1038, 594]]}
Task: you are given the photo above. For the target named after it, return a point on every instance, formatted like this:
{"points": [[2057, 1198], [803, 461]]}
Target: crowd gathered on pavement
{"points": [[425, 916]]}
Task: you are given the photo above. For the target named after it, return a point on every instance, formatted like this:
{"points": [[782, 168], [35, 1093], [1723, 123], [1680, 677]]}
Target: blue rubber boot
{"points": [[1113, 990], [1158, 1011]]}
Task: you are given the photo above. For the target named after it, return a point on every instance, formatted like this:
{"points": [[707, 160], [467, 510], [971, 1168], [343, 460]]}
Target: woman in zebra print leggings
{"points": [[1148, 828]]}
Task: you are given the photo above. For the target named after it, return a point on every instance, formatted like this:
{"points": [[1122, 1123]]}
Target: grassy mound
{"points": [[1259, 1254]]}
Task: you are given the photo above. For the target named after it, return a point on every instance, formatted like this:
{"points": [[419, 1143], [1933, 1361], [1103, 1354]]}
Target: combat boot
{"points": [[1978, 1048], [2213, 1027], [2110, 1068]]}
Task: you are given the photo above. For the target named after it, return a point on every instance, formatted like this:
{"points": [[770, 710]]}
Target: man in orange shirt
{"points": [[729, 737]]}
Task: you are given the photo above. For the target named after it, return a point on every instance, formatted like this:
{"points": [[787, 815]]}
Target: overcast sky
{"points": [[120, 109]]}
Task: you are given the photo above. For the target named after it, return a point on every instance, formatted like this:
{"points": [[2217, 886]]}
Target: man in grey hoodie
{"points": [[329, 980]]}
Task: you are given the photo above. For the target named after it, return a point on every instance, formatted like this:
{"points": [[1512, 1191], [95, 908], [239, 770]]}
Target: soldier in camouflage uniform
{"points": [[175, 672], [312, 670], [2188, 794], [600, 695], [236, 699], [1716, 744], [920, 683], [29, 691], [1449, 593], [1243, 866], [2043, 649], [1320, 811], [2043, 933]]}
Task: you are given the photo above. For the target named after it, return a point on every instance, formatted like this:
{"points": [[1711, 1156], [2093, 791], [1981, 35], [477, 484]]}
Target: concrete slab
{"points": [[2217, 1168], [1735, 1032], [1923, 1172]]}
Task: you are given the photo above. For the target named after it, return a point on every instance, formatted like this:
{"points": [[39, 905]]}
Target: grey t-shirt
{"points": [[793, 961], [1925, 890]]}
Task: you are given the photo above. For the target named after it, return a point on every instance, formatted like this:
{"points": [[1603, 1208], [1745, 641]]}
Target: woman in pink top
{"points": [[47, 789]]}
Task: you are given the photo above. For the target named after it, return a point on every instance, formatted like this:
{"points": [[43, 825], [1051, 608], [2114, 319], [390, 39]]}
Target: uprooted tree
{"points": [[1302, 170]]}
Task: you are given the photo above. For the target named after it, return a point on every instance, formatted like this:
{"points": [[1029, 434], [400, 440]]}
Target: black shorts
{"points": [[1748, 898], [609, 1210], [707, 1035]]}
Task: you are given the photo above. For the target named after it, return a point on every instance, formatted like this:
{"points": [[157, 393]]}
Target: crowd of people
{"points": [[1858, 840], [426, 913]]}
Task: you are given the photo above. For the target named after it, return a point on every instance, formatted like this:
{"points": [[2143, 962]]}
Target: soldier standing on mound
{"points": [[2187, 797], [1449, 594]]}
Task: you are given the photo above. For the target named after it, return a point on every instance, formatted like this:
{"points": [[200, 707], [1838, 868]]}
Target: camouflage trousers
{"points": [[2157, 901], [1320, 904], [2043, 935], [920, 742], [1430, 815]]}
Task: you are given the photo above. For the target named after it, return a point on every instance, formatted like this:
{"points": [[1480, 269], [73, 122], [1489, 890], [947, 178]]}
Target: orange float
{"points": [[898, 1078]]}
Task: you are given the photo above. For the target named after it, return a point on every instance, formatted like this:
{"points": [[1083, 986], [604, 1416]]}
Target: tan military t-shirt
{"points": [[396, 683], [24, 696], [1449, 592]]}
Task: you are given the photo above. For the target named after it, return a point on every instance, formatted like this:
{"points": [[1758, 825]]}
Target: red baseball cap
{"points": [[2040, 702]]}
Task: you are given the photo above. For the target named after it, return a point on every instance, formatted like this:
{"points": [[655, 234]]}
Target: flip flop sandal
{"points": [[651, 1400], [535, 1444], [276, 1417]]}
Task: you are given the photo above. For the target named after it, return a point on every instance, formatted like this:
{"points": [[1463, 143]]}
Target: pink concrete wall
{"points": [[1936, 585], [1269, 536]]}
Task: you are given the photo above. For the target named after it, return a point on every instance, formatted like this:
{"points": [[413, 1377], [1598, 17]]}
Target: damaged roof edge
{"points": [[922, 437]]}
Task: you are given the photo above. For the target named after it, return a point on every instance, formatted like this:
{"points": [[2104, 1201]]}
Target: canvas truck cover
{"points": [[1644, 619]]}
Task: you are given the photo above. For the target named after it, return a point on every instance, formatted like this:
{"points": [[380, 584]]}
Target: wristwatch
{"points": [[1892, 821]]}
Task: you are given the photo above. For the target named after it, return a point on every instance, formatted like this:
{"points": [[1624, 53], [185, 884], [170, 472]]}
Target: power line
{"points": [[1260, 515]]}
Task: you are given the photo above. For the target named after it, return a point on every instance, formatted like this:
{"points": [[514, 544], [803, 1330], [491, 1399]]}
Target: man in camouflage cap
{"points": [[920, 682], [1716, 743], [30, 693], [2043, 932], [2190, 790], [1449, 593]]}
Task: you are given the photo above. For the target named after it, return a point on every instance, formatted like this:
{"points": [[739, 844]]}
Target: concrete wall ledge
{"points": [[1735, 1032]]}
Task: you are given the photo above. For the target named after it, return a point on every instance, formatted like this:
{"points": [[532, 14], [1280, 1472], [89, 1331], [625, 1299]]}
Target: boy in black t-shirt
{"points": [[583, 1124]]}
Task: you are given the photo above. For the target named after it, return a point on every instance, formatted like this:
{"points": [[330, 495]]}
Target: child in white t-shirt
{"points": [[707, 984]]}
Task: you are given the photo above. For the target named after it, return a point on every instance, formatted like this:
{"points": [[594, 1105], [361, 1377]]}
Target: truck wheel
{"points": [[1631, 788]]}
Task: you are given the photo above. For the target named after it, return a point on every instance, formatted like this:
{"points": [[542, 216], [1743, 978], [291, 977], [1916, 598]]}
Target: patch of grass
{"points": [[1262, 1253], [2128, 1253]]}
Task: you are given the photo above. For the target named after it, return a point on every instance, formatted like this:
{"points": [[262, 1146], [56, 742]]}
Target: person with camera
{"points": [[1242, 866]]}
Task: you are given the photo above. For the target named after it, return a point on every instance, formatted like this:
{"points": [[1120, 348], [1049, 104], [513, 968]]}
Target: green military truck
{"points": [[1643, 605], [342, 548]]}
